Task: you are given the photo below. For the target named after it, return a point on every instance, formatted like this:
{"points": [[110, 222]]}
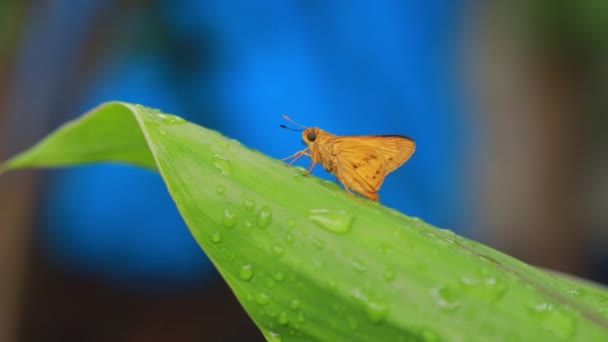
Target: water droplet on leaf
{"points": [[274, 337], [229, 219], [388, 275], [249, 204], [376, 312], [489, 288], [289, 238], [247, 227], [445, 298], [246, 272], [282, 319], [220, 189], [554, 319], [336, 221], [221, 164], [264, 217], [358, 265], [279, 276], [294, 304], [384, 248], [262, 298], [278, 250], [216, 237], [171, 120], [222, 143]]}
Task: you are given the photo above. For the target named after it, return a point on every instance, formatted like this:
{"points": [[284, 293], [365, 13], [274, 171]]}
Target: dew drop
{"points": [[447, 232], [262, 298], [357, 294], [540, 307], [556, 320], [264, 217], [561, 324], [216, 237], [300, 317], [247, 226], [444, 298], [294, 304], [282, 319], [249, 204], [221, 164], [336, 221], [273, 337], [229, 219], [291, 223], [222, 143], [171, 120], [279, 276], [376, 312], [388, 275], [575, 292], [358, 265], [246, 272], [278, 250], [289, 238], [220, 189], [384, 249], [162, 132], [489, 288]]}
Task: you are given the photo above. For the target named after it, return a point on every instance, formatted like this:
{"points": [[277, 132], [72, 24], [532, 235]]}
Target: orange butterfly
{"points": [[360, 162]]}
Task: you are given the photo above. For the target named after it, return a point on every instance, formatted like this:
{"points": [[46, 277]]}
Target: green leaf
{"points": [[308, 261]]}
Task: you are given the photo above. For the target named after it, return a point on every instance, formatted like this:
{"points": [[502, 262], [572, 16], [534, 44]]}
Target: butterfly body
{"points": [[360, 162]]}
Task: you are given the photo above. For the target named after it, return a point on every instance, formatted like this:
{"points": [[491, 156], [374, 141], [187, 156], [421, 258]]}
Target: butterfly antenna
{"points": [[293, 122], [291, 129]]}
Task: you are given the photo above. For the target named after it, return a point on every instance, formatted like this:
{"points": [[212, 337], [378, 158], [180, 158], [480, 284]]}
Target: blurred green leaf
{"points": [[380, 276]]}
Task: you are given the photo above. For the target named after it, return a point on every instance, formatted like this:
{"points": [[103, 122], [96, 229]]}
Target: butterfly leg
{"points": [[297, 156], [312, 164]]}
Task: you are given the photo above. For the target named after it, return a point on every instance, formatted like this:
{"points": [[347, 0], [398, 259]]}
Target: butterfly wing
{"points": [[396, 149], [364, 161], [361, 168]]}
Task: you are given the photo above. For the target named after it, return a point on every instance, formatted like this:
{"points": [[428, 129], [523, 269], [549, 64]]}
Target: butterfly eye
{"points": [[311, 136]]}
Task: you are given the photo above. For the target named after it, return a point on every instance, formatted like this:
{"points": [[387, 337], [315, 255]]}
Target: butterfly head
{"points": [[310, 135]]}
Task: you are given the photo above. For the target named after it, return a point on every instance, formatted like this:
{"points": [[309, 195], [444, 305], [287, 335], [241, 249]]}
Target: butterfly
{"points": [[360, 162]]}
